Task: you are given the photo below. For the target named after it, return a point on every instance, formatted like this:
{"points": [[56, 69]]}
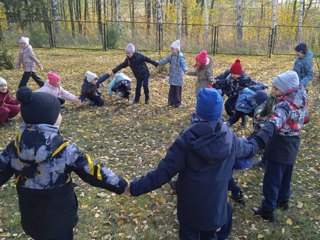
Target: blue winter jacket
{"points": [[117, 78], [303, 67], [203, 156], [178, 66]]}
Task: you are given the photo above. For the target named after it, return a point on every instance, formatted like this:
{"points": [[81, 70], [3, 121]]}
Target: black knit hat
{"points": [[301, 47], [38, 107]]}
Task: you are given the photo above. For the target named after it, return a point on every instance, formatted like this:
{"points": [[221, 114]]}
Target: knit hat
{"points": [[260, 96], [202, 57], [286, 81], [209, 104], [176, 45], [90, 76], [38, 107], [3, 82], [301, 47], [53, 77], [130, 48], [24, 40], [236, 68]]}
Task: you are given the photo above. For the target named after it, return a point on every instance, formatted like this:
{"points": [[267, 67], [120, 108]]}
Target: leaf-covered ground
{"points": [[132, 139]]}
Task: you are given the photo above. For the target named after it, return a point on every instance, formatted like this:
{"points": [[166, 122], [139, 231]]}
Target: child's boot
{"points": [[238, 198], [147, 99], [283, 205], [264, 214]]}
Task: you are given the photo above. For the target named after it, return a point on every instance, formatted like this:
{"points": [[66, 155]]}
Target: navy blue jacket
{"points": [[203, 155], [138, 65]]}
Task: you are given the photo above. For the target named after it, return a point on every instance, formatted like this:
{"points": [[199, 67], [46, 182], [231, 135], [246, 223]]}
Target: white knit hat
{"points": [[24, 40], [91, 76], [130, 48], [176, 45], [3, 82]]}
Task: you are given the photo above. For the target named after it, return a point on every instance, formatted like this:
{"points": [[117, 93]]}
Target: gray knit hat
{"points": [[286, 81]]}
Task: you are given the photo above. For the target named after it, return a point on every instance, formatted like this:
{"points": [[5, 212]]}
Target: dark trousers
{"points": [[124, 87], [26, 76], [276, 184], [189, 233], [145, 83], [233, 187], [174, 97], [96, 100], [230, 105], [67, 236], [62, 101], [237, 115]]}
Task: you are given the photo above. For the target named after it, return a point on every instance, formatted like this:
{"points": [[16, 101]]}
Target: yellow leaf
{"points": [[300, 205], [289, 221], [260, 236]]}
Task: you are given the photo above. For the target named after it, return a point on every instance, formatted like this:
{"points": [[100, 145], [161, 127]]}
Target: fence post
{"points": [[212, 40], [104, 37], [217, 39], [274, 37], [52, 45], [270, 43]]}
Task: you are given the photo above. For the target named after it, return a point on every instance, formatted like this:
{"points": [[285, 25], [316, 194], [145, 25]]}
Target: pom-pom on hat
{"points": [[53, 77], [38, 107], [286, 81], [3, 82], [24, 40], [209, 104], [236, 68], [301, 47], [176, 45], [130, 48], [90, 76], [202, 57]]}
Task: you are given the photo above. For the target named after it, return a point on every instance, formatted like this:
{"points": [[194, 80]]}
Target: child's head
{"points": [[301, 50], [175, 47], [54, 79], [91, 77], [209, 104], [236, 69], [260, 97], [3, 85], [284, 82], [38, 107], [202, 57], [130, 50], [24, 42]]}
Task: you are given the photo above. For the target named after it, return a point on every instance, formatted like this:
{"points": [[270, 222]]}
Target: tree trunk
{"points": [[104, 10], [274, 13], [70, 3], [159, 23], [86, 10], [294, 10], [78, 15], [118, 14], [206, 15], [185, 17], [55, 15], [99, 15], [239, 20], [148, 14], [131, 11], [179, 8], [300, 21]]}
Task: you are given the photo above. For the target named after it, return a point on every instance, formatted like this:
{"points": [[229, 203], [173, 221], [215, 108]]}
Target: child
{"points": [[137, 63], [203, 156], [246, 104], [235, 84], [42, 162], [282, 149], [178, 67], [90, 88], [121, 86], [303, 64], [204, 71], [27, 59], [9, 106], [53, 87]]}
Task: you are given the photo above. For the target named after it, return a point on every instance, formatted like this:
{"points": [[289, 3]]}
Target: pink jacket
{"points": [[57, 92], [27, 59]]}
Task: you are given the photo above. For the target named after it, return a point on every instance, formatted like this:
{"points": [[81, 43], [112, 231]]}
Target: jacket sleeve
{"points": [[67, 95], [183, 64], [192, 73], [19, 60], [95, 174], [148, 60], [111, 84], [122, 65], [245, 149], [7, 155], [169, 166], [34, 58], [165, 60], [103, 78], [209, 74], [11, 100], [309, 75], [280, 115], [223, 75]]}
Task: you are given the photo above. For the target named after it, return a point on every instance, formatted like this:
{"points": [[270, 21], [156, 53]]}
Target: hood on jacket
{"points": [[210, 141], [308, 57], [297, 96], [38, 142]]}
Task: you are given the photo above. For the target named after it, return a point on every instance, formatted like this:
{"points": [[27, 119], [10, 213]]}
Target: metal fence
{"points": [[220, 39]]}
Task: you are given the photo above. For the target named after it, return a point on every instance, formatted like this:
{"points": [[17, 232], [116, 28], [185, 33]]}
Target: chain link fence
{"points": [[221, 39]]}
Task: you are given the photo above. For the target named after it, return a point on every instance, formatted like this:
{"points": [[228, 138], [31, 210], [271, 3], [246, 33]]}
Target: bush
{"points": [[113, 37], [6, 58]]}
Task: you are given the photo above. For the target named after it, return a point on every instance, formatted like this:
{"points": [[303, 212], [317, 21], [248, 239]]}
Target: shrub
{"points": [[6, 58], [113, 36]]}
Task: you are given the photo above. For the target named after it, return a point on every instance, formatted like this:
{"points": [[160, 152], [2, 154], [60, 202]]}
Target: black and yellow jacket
{"points": [[42, 162]]}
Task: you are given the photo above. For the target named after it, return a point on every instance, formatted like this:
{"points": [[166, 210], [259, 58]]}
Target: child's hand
{"points": [[258, 117], [78, 102], [127, 191], [111, 74], [214, 81], [41, 67]]}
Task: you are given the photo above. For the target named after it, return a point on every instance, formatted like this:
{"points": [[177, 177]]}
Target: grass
{"points": [[132, 139]]}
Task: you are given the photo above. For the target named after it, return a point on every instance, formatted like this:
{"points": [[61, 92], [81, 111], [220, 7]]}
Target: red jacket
{"points": [[7, 99]]}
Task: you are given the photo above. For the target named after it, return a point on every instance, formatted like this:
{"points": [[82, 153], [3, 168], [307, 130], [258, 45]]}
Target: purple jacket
{"points": [[27, 59]]}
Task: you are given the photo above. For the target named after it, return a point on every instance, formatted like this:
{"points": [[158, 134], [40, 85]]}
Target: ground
{"points": [[131, 140]]}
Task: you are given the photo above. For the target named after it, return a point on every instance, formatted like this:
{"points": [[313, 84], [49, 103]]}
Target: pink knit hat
{"points": [[53, 77], [202, 57]]}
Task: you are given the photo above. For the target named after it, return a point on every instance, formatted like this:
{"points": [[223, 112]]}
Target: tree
{"points": [[158, 9], [55, 15], [148, 14], [179, 10], [239, 20], [131, 11], [118, 14], [274, 13], [300, 21], [70, 3], [206, 32]]}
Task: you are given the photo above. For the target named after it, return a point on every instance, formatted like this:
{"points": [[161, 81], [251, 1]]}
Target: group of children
{"points": [[204, 155]]}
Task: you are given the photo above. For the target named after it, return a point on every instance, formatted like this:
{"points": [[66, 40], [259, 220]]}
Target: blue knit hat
{"points": [[209, 104], [301, 47], [260, 96]]}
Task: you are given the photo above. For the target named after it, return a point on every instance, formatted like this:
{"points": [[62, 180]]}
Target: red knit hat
{"points": [[236, 68], [202, 57]]}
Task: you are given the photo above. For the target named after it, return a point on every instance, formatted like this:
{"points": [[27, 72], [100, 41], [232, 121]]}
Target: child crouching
{"points": [[121, 86]]}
